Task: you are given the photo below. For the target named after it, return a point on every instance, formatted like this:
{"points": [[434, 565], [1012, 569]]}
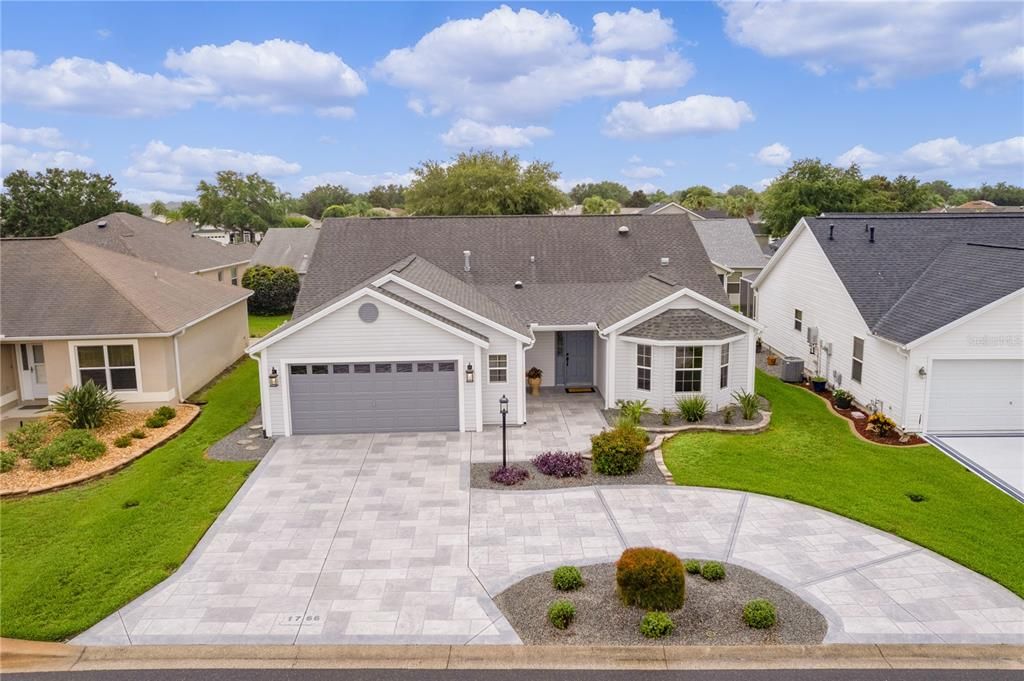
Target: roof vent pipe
{"points": [[518, 284], [871, 237], [831, 229], [533, 259], [101, 224], [466, 255], [664, 262], [623, 230]]}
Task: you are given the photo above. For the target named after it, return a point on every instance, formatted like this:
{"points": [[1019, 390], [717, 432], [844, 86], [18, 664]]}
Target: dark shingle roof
{"points": [[287, 247], [582, 269], [924, 270], [167, 244], [683, 325], [60, 287]]}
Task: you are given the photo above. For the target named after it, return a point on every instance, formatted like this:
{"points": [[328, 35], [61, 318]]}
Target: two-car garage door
{"points": [[377, 397], [976, 395]]}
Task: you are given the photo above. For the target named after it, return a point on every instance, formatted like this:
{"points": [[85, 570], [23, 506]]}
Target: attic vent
{"points": [[518, 284], [466, 254], [664, 262], [101, 224], [831, 229], [623, 230], [871, 237]]}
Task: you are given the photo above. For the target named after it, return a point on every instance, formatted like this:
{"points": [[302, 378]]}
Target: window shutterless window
{"points": [[857, 370], [798, 319], [689, 368], [643, 367], [497, 368], [234, 276], [220, 275], [108, 366], [723, 371]]}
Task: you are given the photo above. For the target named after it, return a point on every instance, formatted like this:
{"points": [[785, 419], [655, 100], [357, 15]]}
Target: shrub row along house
{"points": [[117, 301], [412, 324]]}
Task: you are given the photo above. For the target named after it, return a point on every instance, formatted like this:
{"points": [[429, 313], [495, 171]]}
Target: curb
{"points": [[26, 656]]}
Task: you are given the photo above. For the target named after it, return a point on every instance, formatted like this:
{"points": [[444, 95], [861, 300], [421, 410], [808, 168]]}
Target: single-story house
{"points": [[424, 323], [285, 247], [734, 252], [918, 315], [171, 244], [72, 312]]}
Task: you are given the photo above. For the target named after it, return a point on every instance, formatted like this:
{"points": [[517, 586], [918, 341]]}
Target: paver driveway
{"points": [[378, 539]]}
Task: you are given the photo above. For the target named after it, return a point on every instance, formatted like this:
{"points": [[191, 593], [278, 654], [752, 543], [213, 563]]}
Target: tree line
{"points": [[474, 183]]}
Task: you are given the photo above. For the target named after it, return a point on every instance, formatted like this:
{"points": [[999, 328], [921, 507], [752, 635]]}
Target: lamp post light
{"points": [[504, 442]]}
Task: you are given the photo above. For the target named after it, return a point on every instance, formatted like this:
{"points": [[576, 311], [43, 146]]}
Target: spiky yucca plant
{"points": [[85, 406]]}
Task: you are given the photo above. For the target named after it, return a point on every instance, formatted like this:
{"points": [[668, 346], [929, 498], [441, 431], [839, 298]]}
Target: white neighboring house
{"points": [[735, 253], [920, 315]]}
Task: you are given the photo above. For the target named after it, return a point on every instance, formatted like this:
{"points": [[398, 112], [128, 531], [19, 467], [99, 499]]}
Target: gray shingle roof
{"points": [[60, 287], [924, 270], [582, 269], [167, 244], [287, 247], [730, 242], [429, 312], [683, 325]]}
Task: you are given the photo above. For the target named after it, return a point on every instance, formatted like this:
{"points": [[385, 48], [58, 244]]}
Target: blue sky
{"points": [[649, 94]]}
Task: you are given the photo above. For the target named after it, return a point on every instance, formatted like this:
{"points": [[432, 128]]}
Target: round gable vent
{"points": [[368, 312]]}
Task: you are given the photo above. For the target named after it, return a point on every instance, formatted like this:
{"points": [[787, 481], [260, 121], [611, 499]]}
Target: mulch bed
{"points": [[895, 438], [649, 474], [711, 614]]}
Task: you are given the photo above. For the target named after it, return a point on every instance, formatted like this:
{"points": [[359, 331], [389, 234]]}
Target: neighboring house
{"points": [[71, 312], [734, 252], [167, 244], [577, 210], [670, 208], [287, 247], [978, 206], [919, 315], [410, 324]]}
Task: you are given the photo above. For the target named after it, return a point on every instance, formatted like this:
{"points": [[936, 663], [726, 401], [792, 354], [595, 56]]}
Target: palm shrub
{"points": [[759, 614], [567, 578], [693, 408], [631, 411], [85, 406], [656, 625], [27, 439], [748, 403], [651, 578], [619, 451]]}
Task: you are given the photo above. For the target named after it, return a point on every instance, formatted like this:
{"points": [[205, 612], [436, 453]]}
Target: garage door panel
{"points": [[377, 397], [976, 396]]}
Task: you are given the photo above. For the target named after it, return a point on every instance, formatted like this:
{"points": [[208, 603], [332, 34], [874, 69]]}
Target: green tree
{"points": [[698, 197], [158, 208], [606, 190], [940, 187], [739, 190], [55, 200], [314, 202], [595, 205], [359, 207], [638, 199], [1001, 194], [742, 205], [483, 183], [237, 201], [810, 187], [386, 196], [274, 289]]}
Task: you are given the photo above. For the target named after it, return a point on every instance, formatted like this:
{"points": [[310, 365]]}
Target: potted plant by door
{"points": [[842, 398], [771, 359], [818, 383], [533, 377]]}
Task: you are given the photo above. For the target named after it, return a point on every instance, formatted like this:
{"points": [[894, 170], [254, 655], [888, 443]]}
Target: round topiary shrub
{"points": [[759, 614], [155, 421], [561, 614], [619, 451], [712, 571], [567, 578], [692, 567], [651, 578], [656, 625], [166, 412]]}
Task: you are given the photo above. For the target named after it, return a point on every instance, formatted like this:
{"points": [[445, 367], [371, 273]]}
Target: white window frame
{"points": [[234, 276], [798, 320], [644, 353], [857, 362], [501, 368], [76, 375], [677, 380], [723, 367]]}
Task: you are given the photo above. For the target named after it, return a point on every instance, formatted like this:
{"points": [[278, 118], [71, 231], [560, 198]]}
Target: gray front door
{"points": [[574, 358], [378, 397]]}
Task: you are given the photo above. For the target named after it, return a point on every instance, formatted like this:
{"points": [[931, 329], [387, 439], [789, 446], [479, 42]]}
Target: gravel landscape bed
{"points": [[649, 474], [711, 614], [713, 418], [244, 444]]}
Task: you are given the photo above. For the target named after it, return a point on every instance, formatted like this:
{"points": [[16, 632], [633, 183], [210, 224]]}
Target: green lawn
{"points": [[68, 559], [261, 325], [809, 455]]}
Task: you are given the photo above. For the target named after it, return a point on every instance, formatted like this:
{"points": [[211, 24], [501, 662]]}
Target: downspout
{"points": [[177, 365]]}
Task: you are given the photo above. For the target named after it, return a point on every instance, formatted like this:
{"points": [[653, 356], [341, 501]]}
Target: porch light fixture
{"points": [[470, 374], [922, 372], [273, 378], [503, 405]]}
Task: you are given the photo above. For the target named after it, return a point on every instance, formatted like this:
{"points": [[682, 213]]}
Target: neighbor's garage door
{"points": [[383, 397], [974, 395]]}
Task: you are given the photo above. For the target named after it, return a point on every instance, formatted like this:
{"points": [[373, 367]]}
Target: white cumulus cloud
{"points": [[861, 155], [465, 134], [339, 112], [14, 157], [642, 172], [632, 31], [695, 114], [776, 154], [168, 168], [946, 158], [1008, 65], [883, 41], [51, 138]]}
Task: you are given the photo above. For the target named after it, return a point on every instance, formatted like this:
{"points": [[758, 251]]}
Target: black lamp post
{"points": [[504, 443]]}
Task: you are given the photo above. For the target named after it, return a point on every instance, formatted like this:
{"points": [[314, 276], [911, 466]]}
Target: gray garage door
{"points": [[382, 397]]}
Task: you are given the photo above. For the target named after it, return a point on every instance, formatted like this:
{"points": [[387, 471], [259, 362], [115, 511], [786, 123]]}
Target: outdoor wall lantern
{"points": [[273, 378], [470, 375], [503, 404], [922, 372]]}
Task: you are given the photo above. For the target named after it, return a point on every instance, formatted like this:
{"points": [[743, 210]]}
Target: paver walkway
{"points": [[379, 539]]}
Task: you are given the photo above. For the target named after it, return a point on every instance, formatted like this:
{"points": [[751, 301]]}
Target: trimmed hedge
{"points": [[619, 451], [567, 578], [561, 614], [656, 625], [692, 567], [759, 614], [712, 571], [651, 578]]}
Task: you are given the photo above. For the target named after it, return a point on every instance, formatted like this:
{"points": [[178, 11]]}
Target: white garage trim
{"points": [[926, 425], [459, 377]]}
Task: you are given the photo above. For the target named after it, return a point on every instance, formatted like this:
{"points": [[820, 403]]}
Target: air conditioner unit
{"points": [[812, 335]]}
